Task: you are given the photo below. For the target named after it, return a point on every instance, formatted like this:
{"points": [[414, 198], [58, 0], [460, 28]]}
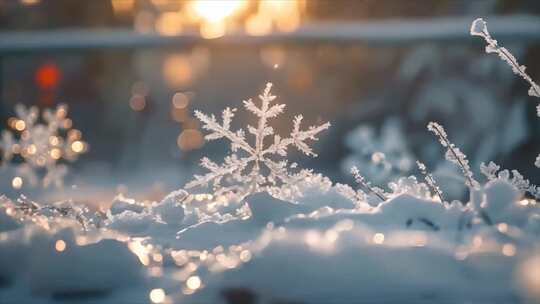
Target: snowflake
{"points": [[40, 145], [250, 169]]}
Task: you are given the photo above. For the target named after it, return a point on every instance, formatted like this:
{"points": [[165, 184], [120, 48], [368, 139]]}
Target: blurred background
{"points": [[133, 71]]}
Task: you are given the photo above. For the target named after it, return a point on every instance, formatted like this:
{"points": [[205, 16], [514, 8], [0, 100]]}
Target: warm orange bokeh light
{"points": [[47, 76]]}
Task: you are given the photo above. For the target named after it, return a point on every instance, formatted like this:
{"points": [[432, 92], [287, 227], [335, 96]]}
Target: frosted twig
{"points": [[479, 28], [453, 154], [365, 184], [430, 180]]}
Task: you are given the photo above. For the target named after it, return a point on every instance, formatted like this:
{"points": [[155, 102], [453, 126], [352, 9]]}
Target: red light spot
{"points": [[47, 76]]}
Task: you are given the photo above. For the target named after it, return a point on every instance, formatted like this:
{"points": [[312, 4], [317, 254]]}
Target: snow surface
{"points": [[321, 247]]}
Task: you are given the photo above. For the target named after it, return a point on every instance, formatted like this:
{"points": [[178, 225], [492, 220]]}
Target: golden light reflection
{"points": [[529, 276], [77, 146], [169, 23], [144, 22], [17, 182], [140, 251], [60, 245], [502, 227], [157, 295], [509, 250], [180, 100], [193, 283], [20, 125], [190, 139], [378, 238], [29, 2], [217, 10], [56, 153], [258, 25], [177, 70], [213, 30], [122, 6]]}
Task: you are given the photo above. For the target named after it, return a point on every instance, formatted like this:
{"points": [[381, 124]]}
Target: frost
{"points": [[479, 28], [41, 145], [361, 180], [250, 169], [513, 177], [46, 215], [409, 185], [453, 154], [430, 180]]}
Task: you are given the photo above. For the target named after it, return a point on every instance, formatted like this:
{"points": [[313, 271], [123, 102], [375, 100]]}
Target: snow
{"points": [[319, 247]]}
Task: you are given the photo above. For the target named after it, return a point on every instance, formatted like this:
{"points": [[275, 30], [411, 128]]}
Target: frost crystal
{"points": [[409, 185], [41, 145], [24, 209], [479, 28], [453, 154], [250, 169], [491, 172]]}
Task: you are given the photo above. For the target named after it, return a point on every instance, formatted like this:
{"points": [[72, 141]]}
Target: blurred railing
{"points": [[506, 28]]}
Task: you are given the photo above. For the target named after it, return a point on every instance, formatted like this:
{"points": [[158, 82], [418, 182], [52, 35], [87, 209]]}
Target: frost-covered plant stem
{"points": [[479, 28], [453, 154], [365, 184], [428, 177]]}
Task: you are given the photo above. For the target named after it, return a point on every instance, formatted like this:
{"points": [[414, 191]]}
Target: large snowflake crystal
{"points": [[40, 145], [254, 168]]}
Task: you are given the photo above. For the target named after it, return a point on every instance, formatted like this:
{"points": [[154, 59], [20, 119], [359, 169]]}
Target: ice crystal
{"points": [[41, 145], [453, 154], [492, 172], [409, 185], [46, 215], [479, 28], [254, 168], [430, 180]]}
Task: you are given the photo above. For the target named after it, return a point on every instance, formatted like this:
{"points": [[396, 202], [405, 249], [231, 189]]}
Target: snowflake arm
{"points": [[218, 130]]}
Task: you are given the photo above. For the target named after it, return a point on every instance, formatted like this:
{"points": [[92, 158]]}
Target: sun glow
{"points": [[217, 10]]}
